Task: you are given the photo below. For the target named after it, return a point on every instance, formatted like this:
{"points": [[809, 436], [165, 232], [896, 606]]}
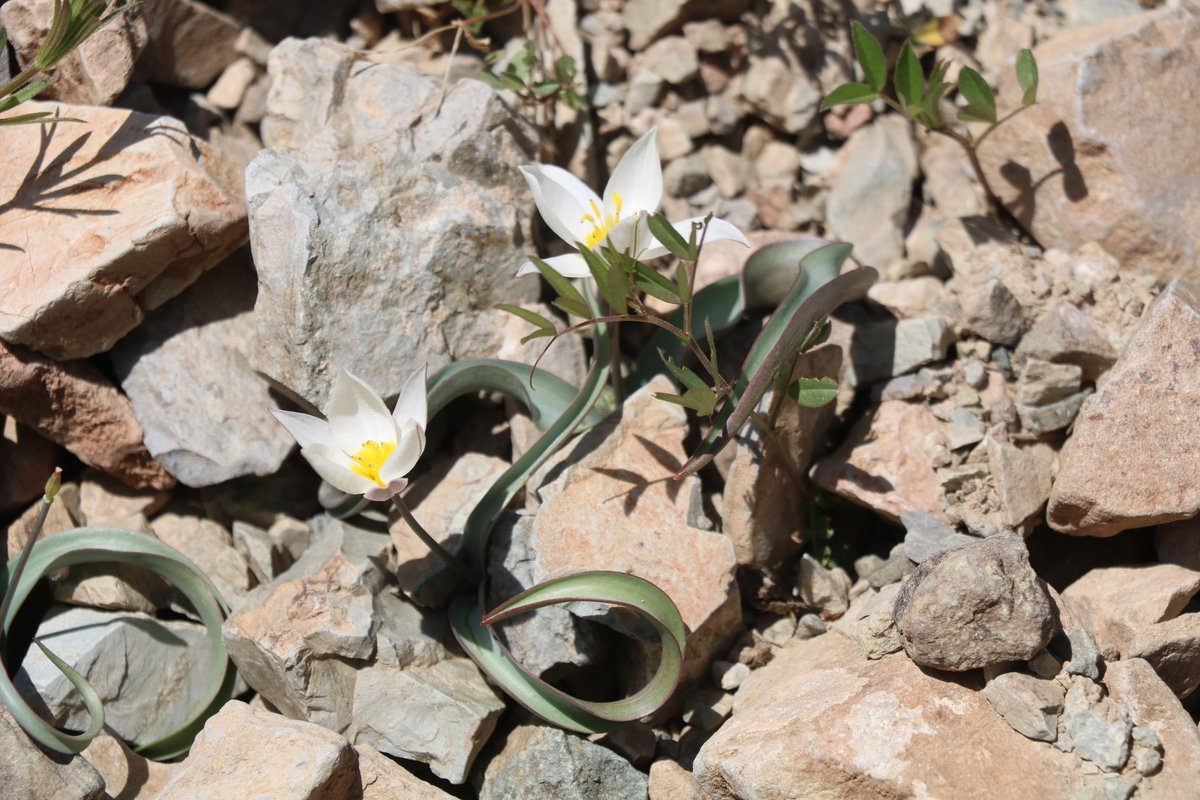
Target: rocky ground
{"points": [[999, 598]]}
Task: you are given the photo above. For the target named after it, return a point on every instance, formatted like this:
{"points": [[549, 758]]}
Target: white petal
{"points": [[638, 178], [631, 235], [558, 203], [386, 492], [717, 229], [569, 265], [405, 456], [356, 414], [334, 466], [413, 403], [306, 429]]}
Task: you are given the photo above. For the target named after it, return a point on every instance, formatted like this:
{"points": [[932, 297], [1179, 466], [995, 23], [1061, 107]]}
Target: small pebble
{"points": [[729, 675], [810, 625]]}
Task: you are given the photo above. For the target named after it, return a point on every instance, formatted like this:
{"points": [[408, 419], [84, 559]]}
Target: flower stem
{"points": [[449, 560], [52, 487]]}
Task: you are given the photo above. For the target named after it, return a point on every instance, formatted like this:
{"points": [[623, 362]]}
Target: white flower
{"points": [[633, 194], [361, 448]]}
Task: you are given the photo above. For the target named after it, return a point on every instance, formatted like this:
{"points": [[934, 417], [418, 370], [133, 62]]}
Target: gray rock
{"points": [[1044, 382], [538, 761], [642, 90], [974, 606], [210, 547], [894, 570], [686, 176], [729, 675], [1118, 789], [926, 535], [871, 190], [881, 350], [1098, 726], [826, 590], [1172, 647], [865, 566], [1147, 750], [991, 312], [380, 230], [785, 97], [966, 428], [1030, 705], [187, 372], [1065, 335], [877, 624], [672, 58], [731, 172], [707, 708], [145, 670], [190, 42], [1022, 480], [1085, 654], [1044, 664], [1052, 416], [810, 625], [28, 772]]}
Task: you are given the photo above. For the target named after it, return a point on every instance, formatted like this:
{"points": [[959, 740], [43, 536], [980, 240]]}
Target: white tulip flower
{"points": [[578, 216], [360, 448]]}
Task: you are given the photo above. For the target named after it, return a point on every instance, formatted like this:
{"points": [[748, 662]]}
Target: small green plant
{"points": [[918, 96], [73, 22], [526, 75]]}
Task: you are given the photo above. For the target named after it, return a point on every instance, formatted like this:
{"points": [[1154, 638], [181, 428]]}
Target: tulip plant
{"points": [[367, 452]]}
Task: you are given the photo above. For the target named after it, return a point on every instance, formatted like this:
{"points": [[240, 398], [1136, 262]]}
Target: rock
{"points": [[646, 20], [966, 428], [228, 759], [95, 73], [669, 781], [761, 509], [125, 773], [1172, 648], [991, 312], [155, 216], [635, 742], [950, 182], [686, 176], [1179, 543], [1099, 727], [337, 275], [190, 43], [231, 88], [822, 721], [1031, 706], [384, 779], [1052, 416], [707, 709], [1022, 480], [1115, 603], [825, 590], [925, 535], [37, 457], [210, 547], [1133, 685], [1108, 480], [1043, 382], [145, 670], [974, 606], [787, 98], [729, 675], [29, 772], [642, 90], [883, 465], [73, 404], [441, 500], [115, 586], [103, 499], [1085, 168], [881, 350], [1064, 334], [441, 714], [186, 371], [63, 516], [1084, 653], [907, 298], [871, 190], [560, 765], [877, 623], [731, 172], [672, 58], [610, 505], [897, 567]]}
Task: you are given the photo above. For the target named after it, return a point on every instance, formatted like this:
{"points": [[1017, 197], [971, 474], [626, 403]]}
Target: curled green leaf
{"points": [[543, 394], [613, 588]]}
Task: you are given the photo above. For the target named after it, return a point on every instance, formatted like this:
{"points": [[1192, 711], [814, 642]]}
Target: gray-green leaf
{"points": [[849, 94], [977, 93], [1027, 76], [910, 78], [813, 392], [870, 56]]}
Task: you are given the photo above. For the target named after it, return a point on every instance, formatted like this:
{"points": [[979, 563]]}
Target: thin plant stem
{"points": [[22, 78], [449, 560], [52, 487]]}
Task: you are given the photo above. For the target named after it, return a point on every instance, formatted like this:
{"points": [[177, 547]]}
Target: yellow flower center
{"points": [[601, 223], [370, 458]]}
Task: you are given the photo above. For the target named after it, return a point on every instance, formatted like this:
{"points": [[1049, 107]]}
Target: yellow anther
{"points": [[368, 460], [602, 223]]}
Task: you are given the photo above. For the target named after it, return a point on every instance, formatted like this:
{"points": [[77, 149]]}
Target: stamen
{"points": [[369, 459]]}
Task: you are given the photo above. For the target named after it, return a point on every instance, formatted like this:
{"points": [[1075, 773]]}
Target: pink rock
{"points": [[1132, 461], [72, 403], [28, 460], [883, 464], [1116, 603], [128, 210]]}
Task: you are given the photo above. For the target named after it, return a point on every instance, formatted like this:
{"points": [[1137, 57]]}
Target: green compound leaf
{"points": [[813, 392], [849, 94], [870, 56], [910, 78], [613, 588], [798, 320], [981, 103], [105, 545], [1027, 76]]}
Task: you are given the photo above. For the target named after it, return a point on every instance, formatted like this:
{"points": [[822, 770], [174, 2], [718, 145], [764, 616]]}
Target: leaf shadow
{"points": [[640, 483]]}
